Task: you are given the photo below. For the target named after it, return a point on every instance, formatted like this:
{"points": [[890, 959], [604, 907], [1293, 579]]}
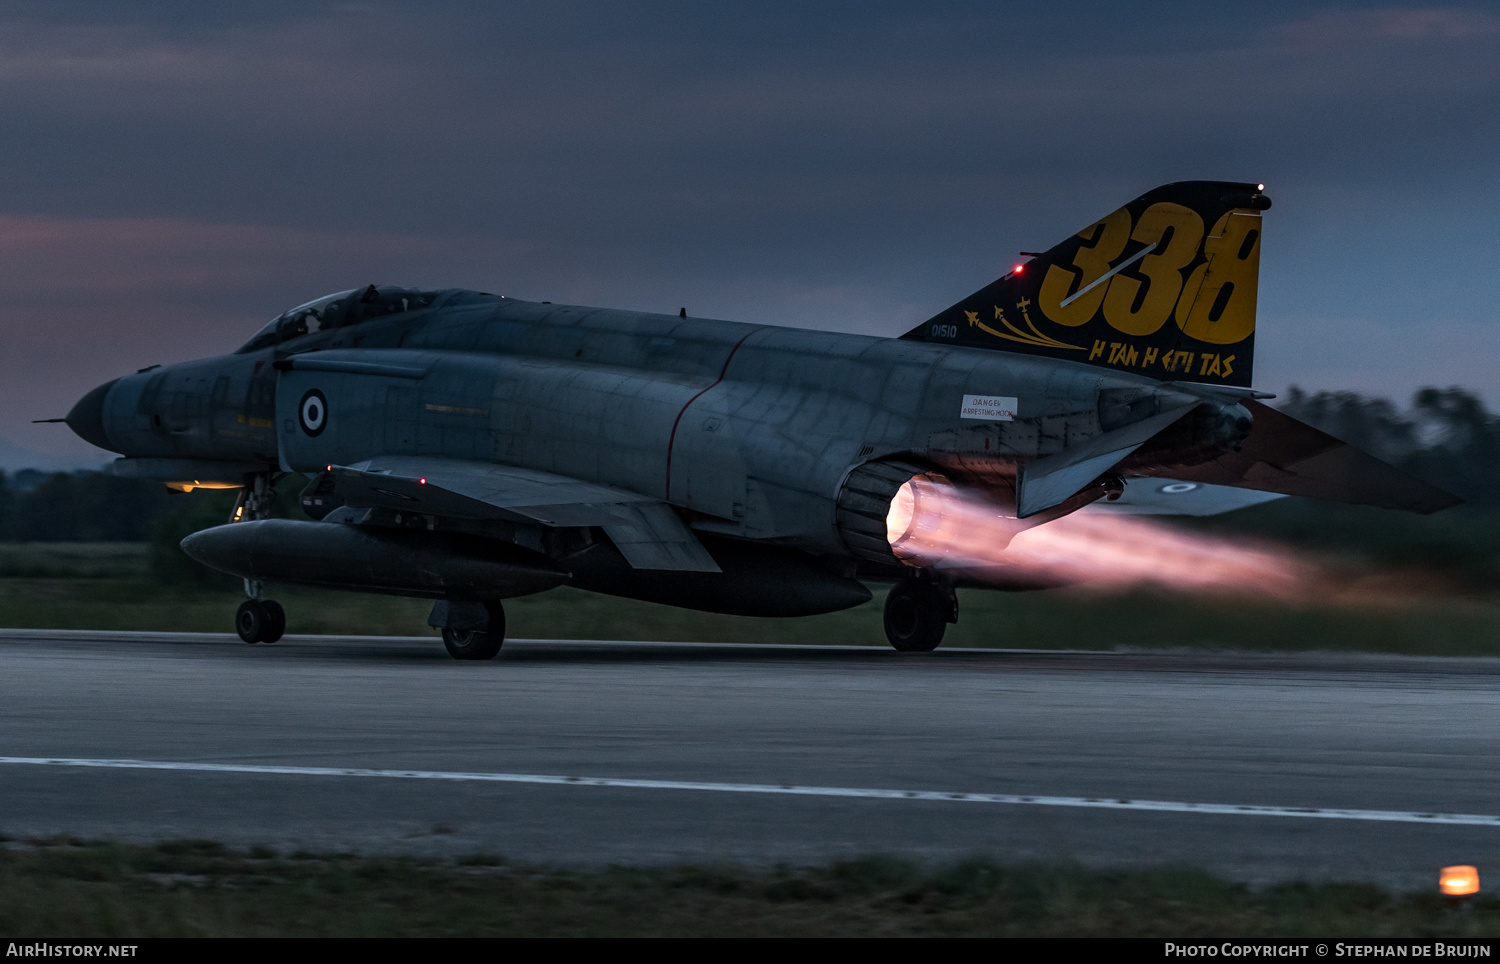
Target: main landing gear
{"points": [[471, 630], [917, 612], [258, 620]]}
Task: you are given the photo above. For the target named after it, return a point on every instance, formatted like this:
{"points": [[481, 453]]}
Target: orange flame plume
{"points": [[933, 523]]}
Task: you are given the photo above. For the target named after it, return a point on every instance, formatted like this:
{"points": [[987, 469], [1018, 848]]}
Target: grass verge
{"points": [[201, 889], [1057, 619], [109, 588]]}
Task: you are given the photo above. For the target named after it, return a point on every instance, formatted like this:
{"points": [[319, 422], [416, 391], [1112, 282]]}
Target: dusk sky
{"points": [[177, 173]]}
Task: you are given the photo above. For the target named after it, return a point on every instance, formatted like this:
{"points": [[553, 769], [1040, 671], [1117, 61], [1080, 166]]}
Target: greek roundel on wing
{"points": [[1177, 488], [312, 412]]}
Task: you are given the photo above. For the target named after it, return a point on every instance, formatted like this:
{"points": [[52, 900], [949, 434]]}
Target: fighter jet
{"points": [[469, 447]]}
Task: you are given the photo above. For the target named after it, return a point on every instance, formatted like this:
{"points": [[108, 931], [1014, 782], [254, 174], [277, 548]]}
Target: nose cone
{"points": [[87, 418]]}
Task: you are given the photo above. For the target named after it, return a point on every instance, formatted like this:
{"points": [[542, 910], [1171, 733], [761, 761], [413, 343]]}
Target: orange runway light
{"points": [[1459, 881]]}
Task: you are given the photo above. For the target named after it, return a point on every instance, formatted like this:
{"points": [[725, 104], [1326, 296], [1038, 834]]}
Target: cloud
{"points": [[87, 299], [258, 77], [1344, 28], [96, 260], [1364, 354]]}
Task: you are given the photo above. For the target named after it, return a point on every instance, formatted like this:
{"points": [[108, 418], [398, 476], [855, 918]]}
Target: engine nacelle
{"points": [[874, 513]]}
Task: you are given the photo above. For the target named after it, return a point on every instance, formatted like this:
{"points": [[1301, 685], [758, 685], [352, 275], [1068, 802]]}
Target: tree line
{"points": [[81, 507], [1446, 436]]}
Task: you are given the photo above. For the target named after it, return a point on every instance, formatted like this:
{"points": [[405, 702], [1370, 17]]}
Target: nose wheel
{"points": [[260, 621], [257, 620]]}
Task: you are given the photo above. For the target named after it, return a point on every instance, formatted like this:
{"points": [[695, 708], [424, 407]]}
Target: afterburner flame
{"points": [[932, 523]]}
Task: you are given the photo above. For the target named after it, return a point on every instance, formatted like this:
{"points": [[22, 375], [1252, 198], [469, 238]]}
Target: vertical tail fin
{"points": [[1164, 286]]}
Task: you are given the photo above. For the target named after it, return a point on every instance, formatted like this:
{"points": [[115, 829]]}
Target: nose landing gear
{"points": [[258, 620], [917, 612]]}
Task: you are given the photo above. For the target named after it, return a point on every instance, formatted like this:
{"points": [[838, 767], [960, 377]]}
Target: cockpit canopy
{"points": [[338, 310]]}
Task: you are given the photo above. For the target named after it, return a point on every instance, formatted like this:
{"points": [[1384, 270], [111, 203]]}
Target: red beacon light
{"points": [[1018, 269], [421, 481]]}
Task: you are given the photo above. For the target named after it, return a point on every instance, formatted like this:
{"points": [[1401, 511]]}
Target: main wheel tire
{"points": [[275, 621], [915, 617], [477, 643], [252, 620]]}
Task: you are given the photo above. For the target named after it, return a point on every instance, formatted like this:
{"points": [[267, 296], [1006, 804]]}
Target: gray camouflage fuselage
{"points": [[752, 428]]}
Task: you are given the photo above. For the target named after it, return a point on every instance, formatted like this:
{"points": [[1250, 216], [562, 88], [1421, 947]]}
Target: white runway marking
{"points": [[1096, 803]]}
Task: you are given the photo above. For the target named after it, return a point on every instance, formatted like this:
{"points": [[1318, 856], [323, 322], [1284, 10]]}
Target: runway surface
{"points": [[1257, 767]]}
